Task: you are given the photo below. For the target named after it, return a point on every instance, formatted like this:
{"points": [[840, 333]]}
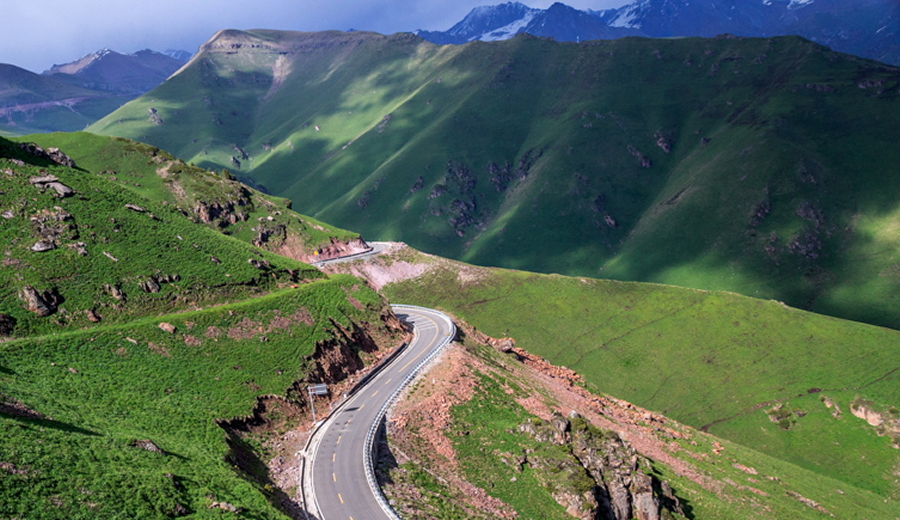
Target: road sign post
{"points": [[317, 389]]}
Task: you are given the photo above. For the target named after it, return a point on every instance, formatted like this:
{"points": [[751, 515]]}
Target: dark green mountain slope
{"points": [[762, 166]]}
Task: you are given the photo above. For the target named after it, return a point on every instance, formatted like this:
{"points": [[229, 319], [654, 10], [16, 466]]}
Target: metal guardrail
{"points": [[370, 435]]}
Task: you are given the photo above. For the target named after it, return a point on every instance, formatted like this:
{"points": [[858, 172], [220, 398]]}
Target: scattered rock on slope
{"points": [[52, 154], [43, 303]]}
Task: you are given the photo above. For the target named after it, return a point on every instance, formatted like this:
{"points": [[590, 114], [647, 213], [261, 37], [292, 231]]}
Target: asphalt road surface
{"points": [[340, 489]]}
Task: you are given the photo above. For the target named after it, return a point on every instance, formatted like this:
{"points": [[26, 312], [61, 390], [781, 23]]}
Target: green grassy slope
{"points": [[716, 361], [485, 432], [769, 162], [101, 390], [152, 173], [99, 244], [158, 327]]}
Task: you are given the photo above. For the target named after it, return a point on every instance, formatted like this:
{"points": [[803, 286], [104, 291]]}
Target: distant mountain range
{"points": [[501, 22], [867, 28], [115, 72], [73, 95]]}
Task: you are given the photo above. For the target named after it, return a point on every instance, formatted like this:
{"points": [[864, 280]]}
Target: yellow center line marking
{"points": [[413, 360], [362, 406], [335, 476], [333, 457], [426, 348], [376, 393], [389, 380], [339, 439], [342, 498]]}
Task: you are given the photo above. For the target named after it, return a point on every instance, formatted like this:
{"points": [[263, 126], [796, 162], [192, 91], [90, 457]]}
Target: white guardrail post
{"points": [[370, 435]]}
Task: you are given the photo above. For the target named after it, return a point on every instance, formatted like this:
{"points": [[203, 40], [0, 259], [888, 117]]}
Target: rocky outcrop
{"points": [[115, 290], [642, 157], [663, 141], [334, 362], [270, 235], [54, 225], [154, 283], [168, 327], [43, 245], [224, 213], [262, 265], [153, 116], [51, 154], [52, 182], [885, 422], [504, 344], [148, 445], [42, 303], [337, 358], [836, 411], [602, 477]]}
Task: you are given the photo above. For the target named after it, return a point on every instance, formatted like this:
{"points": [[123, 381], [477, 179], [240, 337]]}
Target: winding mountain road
{"points": [[377, 249], [340, 483]]}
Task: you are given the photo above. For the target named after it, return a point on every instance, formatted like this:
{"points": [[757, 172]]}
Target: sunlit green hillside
{"points": [[777, 380]]}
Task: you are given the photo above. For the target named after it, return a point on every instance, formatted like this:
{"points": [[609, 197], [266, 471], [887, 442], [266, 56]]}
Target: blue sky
{"points": [[40, 33]]}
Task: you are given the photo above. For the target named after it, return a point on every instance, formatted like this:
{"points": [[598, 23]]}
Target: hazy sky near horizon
{"points": [[40, 33]]}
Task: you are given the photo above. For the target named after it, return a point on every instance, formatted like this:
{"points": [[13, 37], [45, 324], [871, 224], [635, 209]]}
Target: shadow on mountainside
{"points": [[251, 467], [42, 422]]}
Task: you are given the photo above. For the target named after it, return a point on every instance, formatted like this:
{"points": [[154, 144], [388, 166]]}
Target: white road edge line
{"points": [[370, 435]]}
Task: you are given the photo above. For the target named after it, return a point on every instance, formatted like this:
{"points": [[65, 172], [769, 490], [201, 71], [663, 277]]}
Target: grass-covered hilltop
{"points": [[139, 342], [761, 166]]}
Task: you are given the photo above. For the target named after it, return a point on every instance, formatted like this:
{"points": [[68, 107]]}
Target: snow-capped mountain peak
{"points": [[486, 19], [507, 31]]}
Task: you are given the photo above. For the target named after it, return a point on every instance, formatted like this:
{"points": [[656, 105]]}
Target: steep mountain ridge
{"points": [[761, 166]]}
